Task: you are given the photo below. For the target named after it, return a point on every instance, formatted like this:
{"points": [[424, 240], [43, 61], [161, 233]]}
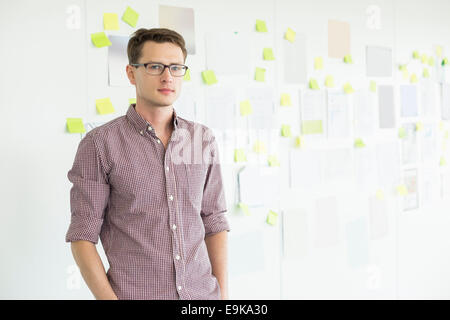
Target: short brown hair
{"points": [[159, 35]]}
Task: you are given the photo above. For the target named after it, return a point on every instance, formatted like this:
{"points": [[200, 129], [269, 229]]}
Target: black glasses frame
{"points": [[164, 69]]}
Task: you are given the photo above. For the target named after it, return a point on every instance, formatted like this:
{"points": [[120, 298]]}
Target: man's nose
{"points": [[166, 75]]}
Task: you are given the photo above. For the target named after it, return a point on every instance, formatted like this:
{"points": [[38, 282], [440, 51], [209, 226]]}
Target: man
{"points": [[149, 184]]}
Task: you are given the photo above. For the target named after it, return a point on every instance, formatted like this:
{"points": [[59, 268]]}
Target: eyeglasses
{"points": [[157, 69]]}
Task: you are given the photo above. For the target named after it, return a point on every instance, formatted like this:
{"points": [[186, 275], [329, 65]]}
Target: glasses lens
{"points": [[155, 68], [177, 70]]}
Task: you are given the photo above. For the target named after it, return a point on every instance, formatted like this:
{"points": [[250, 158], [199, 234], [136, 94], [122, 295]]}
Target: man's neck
{"points": [[161, 118]]}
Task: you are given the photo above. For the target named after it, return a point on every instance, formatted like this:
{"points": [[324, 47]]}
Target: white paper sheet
{"points": [[378, 218], [378, 61], [312, 108], [357, 239], [430, 187], [185, 104], [445, 105], [428, 98], [338, 115], [305, 169], [259, 186], [336, 165], [410, 149], [261, 100], [409, 101], [388, 159], [365, 113], [326, 222], [117, 61], [220, 105], [386, 106], [295, 70], [428, 144], [182, 21], [295, 233], [411, 200], [366, 168]]}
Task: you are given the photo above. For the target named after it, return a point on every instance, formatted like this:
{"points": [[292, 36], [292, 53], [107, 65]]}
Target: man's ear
{"points": [[130, 74]]}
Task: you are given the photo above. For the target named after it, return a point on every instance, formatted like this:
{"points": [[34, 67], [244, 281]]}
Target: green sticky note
{"points": [[104, 106], [416, 55], [268, 54], [239, 155], [318, 63], [402, 190], [414, 78], [246, 108], [426, 73], [244, 208], [130, 16], [261, 26], [329, 81], [359, 143], [348, 59], [99, 39], [348, 88], [285, 100], [260, 74], [402, 133], [431, 62], [290, 35], [209, 77], [424, 58], [273, 161], [259, 147], [442, 161], [312, 127], [313, 84], [286, 130], [272, 218], [132, 100], [445, 61], [75, 125], [110, 21], [187, 75], [373, 86]]}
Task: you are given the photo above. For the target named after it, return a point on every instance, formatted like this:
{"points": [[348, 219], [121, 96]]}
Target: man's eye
{"points": [[155, 67], [177, 68]]}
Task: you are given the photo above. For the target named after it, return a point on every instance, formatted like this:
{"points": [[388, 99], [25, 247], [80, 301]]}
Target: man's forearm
{"points": [[92, 270], [217, 251]]}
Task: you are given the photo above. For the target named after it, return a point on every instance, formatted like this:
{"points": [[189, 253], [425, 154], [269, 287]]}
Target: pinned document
{"points": [[75, 125], [130, 16], [99, 39]]}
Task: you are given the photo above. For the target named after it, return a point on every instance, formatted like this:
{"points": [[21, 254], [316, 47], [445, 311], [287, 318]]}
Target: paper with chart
{"points": [[326, 222], [428, 98], [411, 199], [338, 115], [365, 166], [220, 105], [388, 160], [410, 150], [336, 165], [365, 113], [261, 100], [428, 144], [409, 101], [312, 112], [430, 187]]}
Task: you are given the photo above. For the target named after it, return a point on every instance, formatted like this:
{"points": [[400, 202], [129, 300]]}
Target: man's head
{"points": [[161, 46]]}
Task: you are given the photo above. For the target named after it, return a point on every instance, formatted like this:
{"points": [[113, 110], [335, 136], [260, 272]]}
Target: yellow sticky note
{"points": [[290, 35], [426, 73], [313, 84], [416, 55], [318, 63], [244, 208], [272, 218], [312, 127], [245, 108], [380, 194], [359, 143], [446, 134], [286, 100], [405, 74], [239, 155], [431, 62], [260, 74], [402, 133], [259, 147], [348, 88], [373, 86], [99, 39], [268, 54], [187, 75], [75, 125], [261, 26], [413, 78], [424, 58], [104, 106], [329, 81], [110, 21], [401, 190], [442, 161], [439, 51], [130, 16], [441, 125], [209, 77], [348, 59], [131, 100], [419, 126], [444, 61], [273, 161], [286, 130], [298, 142]]}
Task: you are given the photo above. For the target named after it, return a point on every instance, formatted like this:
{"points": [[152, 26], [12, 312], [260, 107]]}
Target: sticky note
{"points": [[75, 125], [445, 61], [426, 73], [298, 142], [442, 161], [130, 16], [110, 21], [239, 155], [104, 106], [290, 35], [187, 75], [313, 84], [312, 126], [259, 147], [131, 100], [245, 108], [401, 67], [244, 208], [446, 134], [380, 194], [424, 58], [401, 190], [99, 39], [348, 59], [329, 81], [272, 218], [373, 86], [405, 74], [286, 100], [402, 133], [359, 143], [209, 77], [318, 63], [261, 26], [431, 61], [413, 78], [273, 161], [348, 88], [268, 54], [419, 126], [260, 74], [439, 51], [286, 130], [416, 55]]}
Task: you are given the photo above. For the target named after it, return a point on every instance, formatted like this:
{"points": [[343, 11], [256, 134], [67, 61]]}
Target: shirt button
{"points": [[170, 197], [141, 132], [159, 141], [149, 128], [177, 257], [167, 168], [179, 288], [174, 227]]}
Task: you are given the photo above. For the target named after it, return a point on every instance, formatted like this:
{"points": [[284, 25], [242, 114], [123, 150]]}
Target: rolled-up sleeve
{"points": [[89, 194], [214, 203]]}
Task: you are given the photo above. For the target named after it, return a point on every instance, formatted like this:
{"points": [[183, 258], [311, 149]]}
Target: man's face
{"points": [[162, 90]]}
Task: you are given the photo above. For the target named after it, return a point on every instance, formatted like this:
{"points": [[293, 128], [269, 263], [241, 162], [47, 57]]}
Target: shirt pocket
{"points": [[196, 176]]}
